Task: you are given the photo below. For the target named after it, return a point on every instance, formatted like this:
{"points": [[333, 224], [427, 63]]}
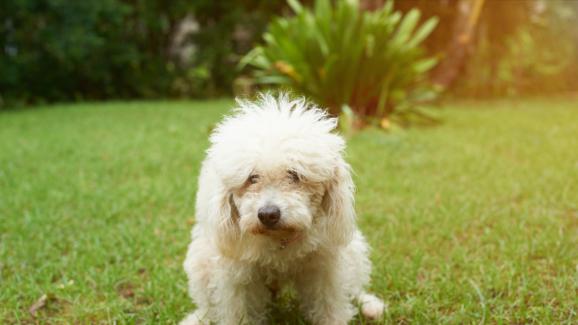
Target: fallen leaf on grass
{"points": [[39, 304]]}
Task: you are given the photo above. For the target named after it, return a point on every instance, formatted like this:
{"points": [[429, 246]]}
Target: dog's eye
{"points": [[253, 179], [293, 176]]}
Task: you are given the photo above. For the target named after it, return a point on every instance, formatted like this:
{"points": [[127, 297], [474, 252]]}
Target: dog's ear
{"points": [[338, 204], [225, 223]]}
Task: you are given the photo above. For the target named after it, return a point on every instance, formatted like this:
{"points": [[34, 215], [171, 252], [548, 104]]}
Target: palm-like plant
{"points": [[368, 63]]}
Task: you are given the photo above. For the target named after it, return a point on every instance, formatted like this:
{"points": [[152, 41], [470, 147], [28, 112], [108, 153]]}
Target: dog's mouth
{"points": [[284, 235]]}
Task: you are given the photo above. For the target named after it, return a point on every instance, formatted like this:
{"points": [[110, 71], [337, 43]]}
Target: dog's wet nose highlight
{"points": [[269, 215]]}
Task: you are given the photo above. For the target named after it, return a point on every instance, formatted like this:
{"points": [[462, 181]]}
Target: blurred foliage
{"points": [[227, 30], [62, 50], [523, 48], [368, 61], [58, 50]]}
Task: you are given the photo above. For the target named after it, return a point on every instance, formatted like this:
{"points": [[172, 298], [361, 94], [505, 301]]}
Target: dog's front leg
{"points": [[323, 292], [240, 295]]}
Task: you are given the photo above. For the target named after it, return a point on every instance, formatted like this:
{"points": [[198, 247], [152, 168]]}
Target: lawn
{"points": [[472, 221]]}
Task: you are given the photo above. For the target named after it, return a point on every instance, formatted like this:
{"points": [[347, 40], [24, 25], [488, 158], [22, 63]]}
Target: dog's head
{"points": [[282, 176]]}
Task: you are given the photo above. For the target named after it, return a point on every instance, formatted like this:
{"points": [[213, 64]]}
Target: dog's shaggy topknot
{"points": [[272, 127]]}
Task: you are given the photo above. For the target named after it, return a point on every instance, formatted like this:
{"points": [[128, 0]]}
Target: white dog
{"points": [[275, 208]]}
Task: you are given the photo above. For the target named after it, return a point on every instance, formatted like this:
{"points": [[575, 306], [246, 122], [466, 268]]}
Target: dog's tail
{"points": [[372, 307]]}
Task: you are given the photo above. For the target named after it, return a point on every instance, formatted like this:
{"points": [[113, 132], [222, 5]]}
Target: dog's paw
{"points": [[372, 307], [191, 319]]}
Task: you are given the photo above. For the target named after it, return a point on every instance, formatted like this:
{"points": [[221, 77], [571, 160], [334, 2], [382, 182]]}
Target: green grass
{"points": [[472, 221]]}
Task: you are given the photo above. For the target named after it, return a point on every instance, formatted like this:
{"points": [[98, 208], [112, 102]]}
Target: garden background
{"points": [[461, 118]]}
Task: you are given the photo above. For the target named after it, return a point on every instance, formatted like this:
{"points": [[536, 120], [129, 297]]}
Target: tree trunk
{"points": [[465, 25]]}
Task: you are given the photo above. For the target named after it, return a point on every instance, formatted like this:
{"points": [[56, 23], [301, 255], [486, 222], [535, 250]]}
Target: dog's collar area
{"points": [[288, 241]]}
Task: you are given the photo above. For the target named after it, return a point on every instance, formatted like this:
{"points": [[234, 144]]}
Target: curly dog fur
{"points": [[275, 208]]}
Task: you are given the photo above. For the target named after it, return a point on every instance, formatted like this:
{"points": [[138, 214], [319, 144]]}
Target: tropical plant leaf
{"points": [[423, 32], [295, 5], [356, 63], [424, 65]]}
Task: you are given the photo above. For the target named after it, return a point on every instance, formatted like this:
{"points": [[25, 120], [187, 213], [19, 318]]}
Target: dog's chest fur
{"points": [[279, 275]]}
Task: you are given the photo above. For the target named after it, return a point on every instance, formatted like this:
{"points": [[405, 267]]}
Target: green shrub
{"points": [[227, 31], [369, 63], [56, 50]]}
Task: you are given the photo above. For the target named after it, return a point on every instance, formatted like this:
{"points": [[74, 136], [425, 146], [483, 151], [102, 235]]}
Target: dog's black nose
{"points": [[269, 215]]}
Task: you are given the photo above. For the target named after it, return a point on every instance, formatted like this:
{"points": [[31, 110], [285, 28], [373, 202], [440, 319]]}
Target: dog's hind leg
{"points": [[358, 268]]}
